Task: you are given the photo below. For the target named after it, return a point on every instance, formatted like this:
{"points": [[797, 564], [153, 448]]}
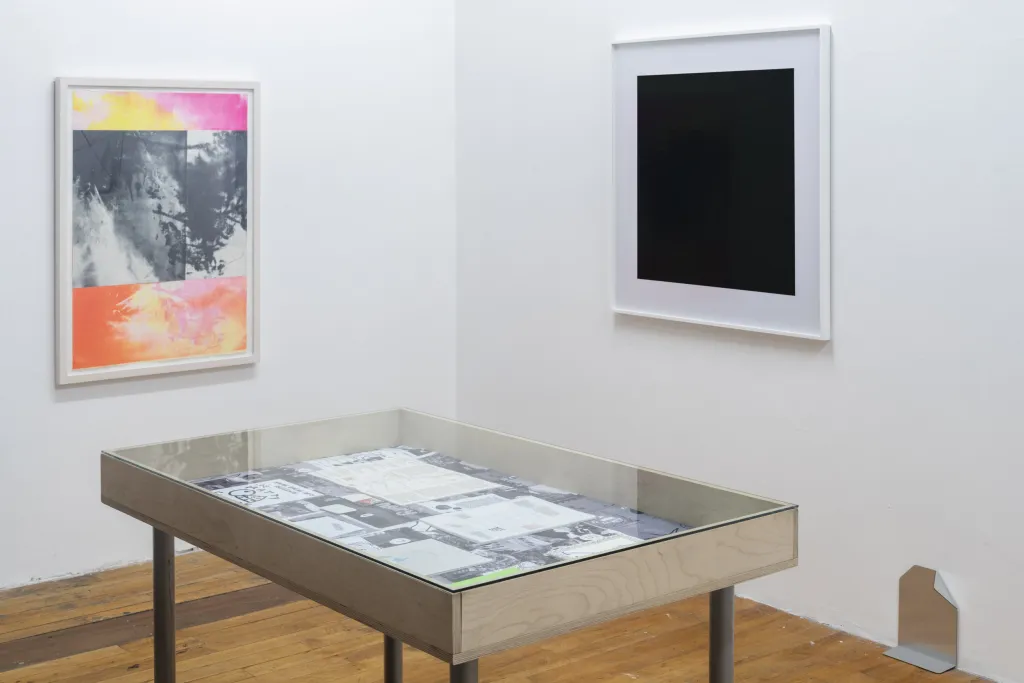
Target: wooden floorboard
{"points": [[48, 607], [234, 627], [138, 625]]}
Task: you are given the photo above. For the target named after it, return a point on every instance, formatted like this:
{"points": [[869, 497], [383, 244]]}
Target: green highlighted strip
{"points": [[484, 578]]}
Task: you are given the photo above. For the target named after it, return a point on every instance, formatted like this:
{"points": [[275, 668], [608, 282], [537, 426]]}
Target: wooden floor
{"points": [[233, 626]]}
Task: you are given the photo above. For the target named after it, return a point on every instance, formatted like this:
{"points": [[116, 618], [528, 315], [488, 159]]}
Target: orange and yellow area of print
{"points": [[158, 321]]}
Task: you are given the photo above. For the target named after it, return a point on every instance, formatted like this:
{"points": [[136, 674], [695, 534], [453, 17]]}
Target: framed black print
{"points": [[722, 149]]}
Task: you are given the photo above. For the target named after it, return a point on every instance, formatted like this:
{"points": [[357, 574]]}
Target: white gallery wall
{"points": [[901, 440], [358, 241]]}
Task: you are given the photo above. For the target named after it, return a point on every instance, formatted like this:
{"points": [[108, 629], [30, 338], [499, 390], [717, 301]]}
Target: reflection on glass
{"points": [[452, 504]]}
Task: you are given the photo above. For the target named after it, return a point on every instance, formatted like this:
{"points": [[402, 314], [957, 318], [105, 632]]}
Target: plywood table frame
{"points": [[458, 627]]}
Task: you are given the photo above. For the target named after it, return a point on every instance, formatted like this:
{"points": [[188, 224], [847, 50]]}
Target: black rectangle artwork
{"points": [[716, 180]]}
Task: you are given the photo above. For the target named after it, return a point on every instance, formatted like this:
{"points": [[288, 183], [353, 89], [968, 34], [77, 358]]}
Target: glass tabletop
{"points": [[452, 504]]}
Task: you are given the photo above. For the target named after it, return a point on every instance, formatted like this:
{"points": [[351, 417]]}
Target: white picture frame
{"points": [[807, 51], [198, 306]]}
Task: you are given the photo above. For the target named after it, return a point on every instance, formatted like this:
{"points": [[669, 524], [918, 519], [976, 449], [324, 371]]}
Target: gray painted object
{"points": [[928, 629]]}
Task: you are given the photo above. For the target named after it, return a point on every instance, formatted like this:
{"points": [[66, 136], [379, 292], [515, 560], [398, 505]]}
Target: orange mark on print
{"points": [[123, 324]]}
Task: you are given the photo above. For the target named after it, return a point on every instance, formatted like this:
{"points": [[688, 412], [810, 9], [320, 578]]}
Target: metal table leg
{"points": [[463, 673], [392, 660], [721, 647], [163, 607]]}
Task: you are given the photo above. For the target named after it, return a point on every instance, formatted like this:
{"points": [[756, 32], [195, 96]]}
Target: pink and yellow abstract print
{"points": [[160, 226], [158, 110]]}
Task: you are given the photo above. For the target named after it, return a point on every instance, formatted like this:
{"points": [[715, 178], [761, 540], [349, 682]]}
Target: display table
{"points": [[453, 539]]}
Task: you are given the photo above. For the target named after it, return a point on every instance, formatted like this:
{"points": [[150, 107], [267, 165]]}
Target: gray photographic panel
{"points": [[128, 212], [158, 206]]}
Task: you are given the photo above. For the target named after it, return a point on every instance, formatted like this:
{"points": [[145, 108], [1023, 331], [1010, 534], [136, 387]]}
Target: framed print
{"points": [[723, 182], [157, 227]]}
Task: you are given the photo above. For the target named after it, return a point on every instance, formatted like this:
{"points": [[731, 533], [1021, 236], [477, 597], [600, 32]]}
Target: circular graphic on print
{"points": [[400, 541]]}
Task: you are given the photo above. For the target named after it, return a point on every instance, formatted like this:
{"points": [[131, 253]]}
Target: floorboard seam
{"points": [[115, 631]]}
